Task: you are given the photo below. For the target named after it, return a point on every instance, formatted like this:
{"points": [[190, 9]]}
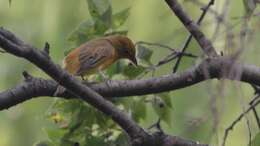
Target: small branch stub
{"points": [[27, 76], [46, 49]]}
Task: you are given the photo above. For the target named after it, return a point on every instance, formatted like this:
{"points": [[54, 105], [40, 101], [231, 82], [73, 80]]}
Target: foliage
{"points": [[77, 122], [144, 54], [256, 140]]}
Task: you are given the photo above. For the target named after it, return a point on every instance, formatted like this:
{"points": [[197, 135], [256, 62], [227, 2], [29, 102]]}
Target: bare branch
{"points": [[251, 107], [215, 67], [173, 55], [36, 87], [189, 38], [11, 44], [255, 111], [256, 117], [193, 28]]}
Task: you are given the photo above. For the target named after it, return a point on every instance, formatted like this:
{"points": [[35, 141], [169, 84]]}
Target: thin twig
{"points": [[221, 19], [165, 60], [257, 91], [249, 131], [193, 28], [239, 118], [254, 110], [155, 44], [189, 38], [256, 117], [174, 53], [201, 4]]}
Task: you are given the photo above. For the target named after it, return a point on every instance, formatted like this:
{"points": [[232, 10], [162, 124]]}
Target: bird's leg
{"points": [[85, 80], [104, 77], [82, 77]]}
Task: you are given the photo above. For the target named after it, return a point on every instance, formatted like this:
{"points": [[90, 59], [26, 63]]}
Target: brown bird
{"points": [[98, 54]]}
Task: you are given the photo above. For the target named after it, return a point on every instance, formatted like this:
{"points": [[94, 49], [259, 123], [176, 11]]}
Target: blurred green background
{"points": [[195, 111]]}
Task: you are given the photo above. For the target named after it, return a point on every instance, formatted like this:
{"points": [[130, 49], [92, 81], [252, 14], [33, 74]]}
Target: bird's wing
{"points": [[93, 54]]}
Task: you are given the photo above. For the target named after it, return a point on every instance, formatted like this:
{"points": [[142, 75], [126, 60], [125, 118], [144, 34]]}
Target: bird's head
{"points": [[124, 47]]}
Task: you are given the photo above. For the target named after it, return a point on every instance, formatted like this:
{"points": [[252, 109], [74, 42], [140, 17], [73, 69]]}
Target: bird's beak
{"points": [[134, 61]]}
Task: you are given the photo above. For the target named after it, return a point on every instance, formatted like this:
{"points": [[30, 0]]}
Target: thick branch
{"points": [[11, 44], [192, 27], [33, 87], [216, 67]]}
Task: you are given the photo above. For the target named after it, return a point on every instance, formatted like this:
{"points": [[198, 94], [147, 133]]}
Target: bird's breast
{"points": [[71, 62]]}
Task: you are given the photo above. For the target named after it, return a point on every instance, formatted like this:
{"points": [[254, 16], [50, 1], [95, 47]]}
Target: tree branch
{"points": [[30, 88], [11, 44], [192, 27], [233, 124], [33, 87], [216, 67], [189, 38]]}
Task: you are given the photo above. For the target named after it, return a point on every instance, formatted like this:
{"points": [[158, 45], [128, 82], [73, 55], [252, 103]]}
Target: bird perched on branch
{"points": [[98, 54]]}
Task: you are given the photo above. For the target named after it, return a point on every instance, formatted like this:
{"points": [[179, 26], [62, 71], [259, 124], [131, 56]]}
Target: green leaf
{"points": [[166, 98], [10, 1], [100, 10], [84, 32], [120, 18], [55, 135], [76, 120], [162, 110], [95, 141], [139, 109], [122, 140], [116, 68], [67, 106], [136, 106], [256, 140], [144, 54], [100, 27], [132, 71], [66, 142]]}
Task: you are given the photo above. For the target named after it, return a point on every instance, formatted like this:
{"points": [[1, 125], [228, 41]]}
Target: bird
{"points": [[97, 55]]}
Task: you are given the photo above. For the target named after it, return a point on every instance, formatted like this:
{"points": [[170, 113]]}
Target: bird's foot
{"points": [[104, 77]]}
